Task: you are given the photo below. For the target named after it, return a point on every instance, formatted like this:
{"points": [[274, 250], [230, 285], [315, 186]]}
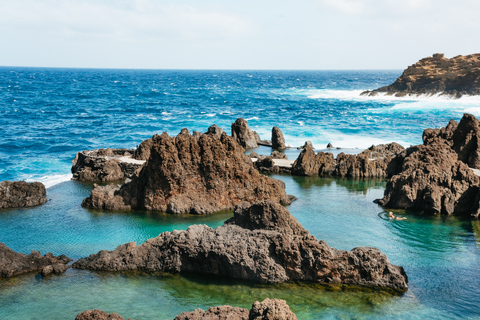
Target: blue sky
{"points": [[214, 34]]}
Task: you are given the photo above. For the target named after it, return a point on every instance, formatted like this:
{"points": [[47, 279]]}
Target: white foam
{"points": [[50, 181], [252, 118]]}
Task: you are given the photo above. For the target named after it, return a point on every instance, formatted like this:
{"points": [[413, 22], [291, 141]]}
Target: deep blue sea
{"points": [[47, 115]]}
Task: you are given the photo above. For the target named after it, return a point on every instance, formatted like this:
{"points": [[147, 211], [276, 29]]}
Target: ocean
{"points": [[47, 115]]}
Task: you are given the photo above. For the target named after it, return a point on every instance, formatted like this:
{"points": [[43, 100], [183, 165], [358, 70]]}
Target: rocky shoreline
{"points": [[453, 77], [261, 243], [13, 263], [268, 309]]}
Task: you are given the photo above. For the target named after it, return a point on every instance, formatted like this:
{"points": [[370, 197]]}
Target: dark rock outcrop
{"points": [[268, 309], [261, 243], [454, 77], [307, 143], [437, 177], [97, 314], [104, 165], [17, 194], [377, 161], [243, 135], [278, 141], [186, 174], [13, 263], [57, 268]]}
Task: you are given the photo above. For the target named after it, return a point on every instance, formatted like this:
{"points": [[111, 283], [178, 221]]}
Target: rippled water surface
{"points": [[47, 115]]}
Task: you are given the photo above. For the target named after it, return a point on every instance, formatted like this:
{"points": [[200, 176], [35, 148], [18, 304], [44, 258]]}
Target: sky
{"points": [[226, 34]]}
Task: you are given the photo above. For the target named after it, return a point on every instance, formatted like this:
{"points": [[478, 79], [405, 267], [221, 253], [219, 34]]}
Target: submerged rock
{"points": [[13, 263], [17, 194], [243, 135], [191, 174], [454, 77], [261, 243]]}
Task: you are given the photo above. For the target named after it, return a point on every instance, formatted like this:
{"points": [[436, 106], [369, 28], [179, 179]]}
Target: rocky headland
{"points": [[268, 309], [13, 263], [197, 174], [261, 243], [105, 165], [17, 194], [453, 77], [440, 176]]}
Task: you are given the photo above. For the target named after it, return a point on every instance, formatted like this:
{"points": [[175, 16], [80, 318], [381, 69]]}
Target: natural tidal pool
{"points": [[440, 255]]}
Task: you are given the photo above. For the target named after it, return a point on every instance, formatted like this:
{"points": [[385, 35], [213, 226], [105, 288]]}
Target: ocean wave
{"points": [[356, 95], [50, 181]]}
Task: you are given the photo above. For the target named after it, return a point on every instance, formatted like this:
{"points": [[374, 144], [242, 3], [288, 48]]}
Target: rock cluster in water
{"points": [[16, 194], [103, 165], [13, 263], [455, 77], [437, 177], [198, 174], [261, 243], [380, 161], [268, 309]]}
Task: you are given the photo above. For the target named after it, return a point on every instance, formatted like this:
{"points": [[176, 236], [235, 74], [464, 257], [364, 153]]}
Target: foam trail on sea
{"points": [[50, 181]]}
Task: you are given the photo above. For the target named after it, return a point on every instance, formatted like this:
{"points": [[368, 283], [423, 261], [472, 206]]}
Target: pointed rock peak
{"points": [[267, 215]]}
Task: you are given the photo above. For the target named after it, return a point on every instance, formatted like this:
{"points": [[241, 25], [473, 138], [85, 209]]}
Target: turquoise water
{"points": [[46, 115]]}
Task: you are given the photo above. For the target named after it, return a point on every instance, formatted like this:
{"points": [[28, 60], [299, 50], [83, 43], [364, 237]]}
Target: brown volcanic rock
{"points": [[435, 177], [268, 309], [13, 263], [189, 174], [98, 315], [377, 161], [433, 180], [216, 313], [261, 243], [455, 77], [244, 135], [16, 194], [278, 141], [271, 309], [102, 165]]}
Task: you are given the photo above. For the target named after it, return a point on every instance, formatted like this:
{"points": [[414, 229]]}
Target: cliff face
{"points": [[261, 243], [454, 77], [195, 174]]}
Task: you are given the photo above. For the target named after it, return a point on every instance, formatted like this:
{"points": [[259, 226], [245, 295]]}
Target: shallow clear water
{"points": [[46, 115]]}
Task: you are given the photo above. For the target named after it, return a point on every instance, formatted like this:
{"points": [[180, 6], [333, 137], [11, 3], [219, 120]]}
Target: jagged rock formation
{"points": [[278, 155], [435, 177], [307, 143], [57, 268], [268, 309], [261, 243], [278, 141], [243, 135], [191, 174], [454, 77], [16, 194], [13, 263], [104, 165], [377, 161], [97, 314]]}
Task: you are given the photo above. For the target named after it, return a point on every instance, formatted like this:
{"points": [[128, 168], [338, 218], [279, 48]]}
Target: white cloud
{"points": [[125, 21], [346, 6]]}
